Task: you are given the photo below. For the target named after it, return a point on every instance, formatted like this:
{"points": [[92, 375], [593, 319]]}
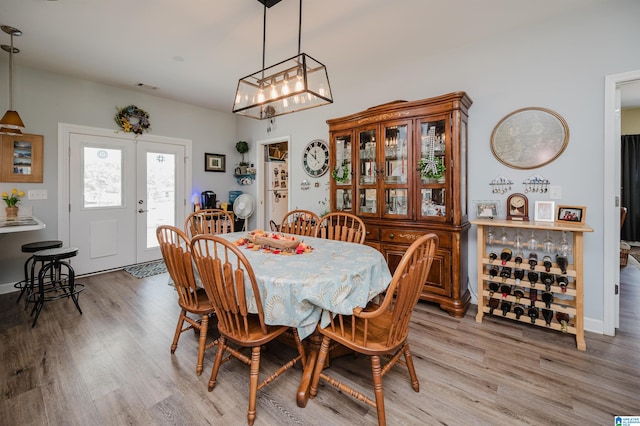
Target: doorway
{"points": [[614, 84], [117, 189], [273, 155]]}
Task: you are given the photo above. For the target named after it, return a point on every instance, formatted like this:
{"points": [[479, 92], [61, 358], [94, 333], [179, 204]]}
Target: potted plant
{"points": [[428, 173], [242, 147]]}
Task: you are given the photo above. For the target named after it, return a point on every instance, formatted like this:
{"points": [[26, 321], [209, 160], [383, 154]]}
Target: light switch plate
{"points": [[37, 194]]}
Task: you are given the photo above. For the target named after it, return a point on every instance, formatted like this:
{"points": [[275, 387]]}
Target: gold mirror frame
{"points": [[529, 138]]}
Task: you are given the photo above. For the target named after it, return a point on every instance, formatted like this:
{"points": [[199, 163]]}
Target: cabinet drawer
{"points": [[408, 236], [373, 233]]}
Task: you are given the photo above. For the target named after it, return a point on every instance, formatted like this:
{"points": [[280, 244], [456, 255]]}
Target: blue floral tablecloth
{"points": [[336, 275]]}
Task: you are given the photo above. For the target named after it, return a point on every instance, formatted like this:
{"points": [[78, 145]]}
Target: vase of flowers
{"points": [[11, 200]]}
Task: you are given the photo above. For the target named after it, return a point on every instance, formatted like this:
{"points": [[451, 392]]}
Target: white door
{"points": [[119, 190]]}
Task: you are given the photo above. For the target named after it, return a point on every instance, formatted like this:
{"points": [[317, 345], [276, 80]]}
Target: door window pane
{"points": [[102, 177], [161, 193]]}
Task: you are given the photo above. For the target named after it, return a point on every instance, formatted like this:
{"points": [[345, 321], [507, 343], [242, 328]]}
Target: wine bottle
{"points": [[519, 311], [505, 256], [493, 256], [494, 271], [547, 314], [505, 273], [546, 261], [518, 274], [563, 319], [506, 307], [547, 280], [493, 287], [533, 314], [533, 278], [518, 258], [533, 296], [562, 262], [505, 290], [563, 282], [533, 260], [547, 298], [518, 293], [493, 304]]}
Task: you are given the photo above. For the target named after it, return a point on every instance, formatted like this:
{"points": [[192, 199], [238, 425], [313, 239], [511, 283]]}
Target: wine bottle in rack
{"points": [[533, 296], [533, 314], [493, 287], [546, 261], [562, 262], [505, 256], [547, 314], [505, 273], [518, 274], [505, 290], [518, 258], [519, 311], [547, 280], [563, 282], [519, 294], [547, 298], [533, 260], [494, 271], [563, 319], [505, 307], [533, 278], [493, 304], [493, 256]]}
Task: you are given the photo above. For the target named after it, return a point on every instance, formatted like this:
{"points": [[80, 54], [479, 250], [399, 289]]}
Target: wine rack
{"points": [[565, 302]]}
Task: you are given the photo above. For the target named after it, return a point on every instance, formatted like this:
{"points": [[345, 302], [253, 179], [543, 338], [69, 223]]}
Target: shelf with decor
{"points": [[245, 178], [544, 288]]}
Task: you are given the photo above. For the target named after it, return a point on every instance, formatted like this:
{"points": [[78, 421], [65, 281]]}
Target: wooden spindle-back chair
{"points": [[342, 226], [208, 221], [381, 330], [300, 222]]}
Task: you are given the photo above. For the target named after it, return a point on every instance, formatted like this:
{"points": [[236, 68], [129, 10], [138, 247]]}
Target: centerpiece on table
{"points": [[274, 242]]}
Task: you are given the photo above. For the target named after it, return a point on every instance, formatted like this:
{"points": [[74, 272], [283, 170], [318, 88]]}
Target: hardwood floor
{"points": [[112, 366]]}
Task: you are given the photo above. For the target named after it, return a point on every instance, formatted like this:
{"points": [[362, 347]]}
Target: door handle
{"points": [[142, 211]]}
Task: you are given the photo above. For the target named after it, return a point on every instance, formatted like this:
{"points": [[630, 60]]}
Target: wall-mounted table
{"points": [[20, 224]]}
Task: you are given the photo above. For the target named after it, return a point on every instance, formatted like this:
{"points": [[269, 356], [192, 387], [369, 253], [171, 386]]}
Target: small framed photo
{"points": [[214, 162], [544, 211], [575, 214], [21, 160], [487, 209]]}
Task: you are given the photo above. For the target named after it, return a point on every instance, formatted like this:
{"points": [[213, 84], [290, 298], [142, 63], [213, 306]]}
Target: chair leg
{"points": [[204, 326], [253, 384], [222, 345], [412, 371], [176, 336], [377, 389], [322, 357]]}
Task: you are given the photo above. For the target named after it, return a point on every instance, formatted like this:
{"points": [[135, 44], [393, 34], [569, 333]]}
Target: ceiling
{"points": [[195, 51]]}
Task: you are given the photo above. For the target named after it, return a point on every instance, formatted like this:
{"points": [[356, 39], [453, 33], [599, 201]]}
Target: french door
{"points": [[120, 190]]}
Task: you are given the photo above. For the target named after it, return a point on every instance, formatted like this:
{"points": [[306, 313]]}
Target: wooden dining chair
{"points": [[208, 221], [381, 329], [300, 222], [342, 226], [224, 271], [176, 252]]}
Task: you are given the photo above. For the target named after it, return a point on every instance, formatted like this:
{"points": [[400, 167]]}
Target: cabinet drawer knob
{"points": [[391, 235]]}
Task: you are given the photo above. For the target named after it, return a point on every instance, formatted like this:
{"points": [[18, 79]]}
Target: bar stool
{"points": [[61, 283], [29, 265]]}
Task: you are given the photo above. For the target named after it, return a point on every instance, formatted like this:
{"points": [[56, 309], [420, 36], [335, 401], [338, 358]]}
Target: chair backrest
{"points": [[223, 270], [342, 226], [176, 252], [208, 221], [300, 222], [394, 313]]}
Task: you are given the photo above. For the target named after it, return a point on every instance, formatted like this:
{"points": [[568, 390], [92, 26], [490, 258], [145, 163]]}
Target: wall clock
{"points": [[315, 158], [517, 207]]}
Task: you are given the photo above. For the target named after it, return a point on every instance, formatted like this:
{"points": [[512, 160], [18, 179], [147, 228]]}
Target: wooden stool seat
{"points": [[30, 263]]}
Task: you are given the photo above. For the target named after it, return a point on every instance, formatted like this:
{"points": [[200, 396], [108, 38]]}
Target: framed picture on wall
{"points": [[214, 162], [21, 158]]}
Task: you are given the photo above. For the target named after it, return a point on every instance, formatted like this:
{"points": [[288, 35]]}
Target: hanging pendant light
{"points": [[292, 85], [11, 122]]}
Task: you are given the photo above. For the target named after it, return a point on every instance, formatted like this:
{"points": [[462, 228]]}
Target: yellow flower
{"points": [[14, 198]]}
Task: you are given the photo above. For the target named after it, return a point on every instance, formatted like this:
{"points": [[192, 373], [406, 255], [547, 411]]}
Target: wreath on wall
{"points": [[132, 119]]}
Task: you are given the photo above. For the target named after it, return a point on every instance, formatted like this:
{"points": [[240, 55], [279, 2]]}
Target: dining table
{"points": [[298, 290]]}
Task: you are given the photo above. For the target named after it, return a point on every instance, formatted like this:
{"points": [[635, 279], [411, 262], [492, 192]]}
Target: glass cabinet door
{"points": [[342, 173], [367, 172], [396, 170], [432, 170]]}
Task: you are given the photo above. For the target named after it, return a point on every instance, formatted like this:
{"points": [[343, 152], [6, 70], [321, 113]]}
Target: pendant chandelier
{"points": [[11, 122], [294, 84]]}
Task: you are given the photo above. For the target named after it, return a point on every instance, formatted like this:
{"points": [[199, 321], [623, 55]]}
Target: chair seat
{"points": [[40, 245], [255, 337], [204, 306], [378, 332], [55, 253]]}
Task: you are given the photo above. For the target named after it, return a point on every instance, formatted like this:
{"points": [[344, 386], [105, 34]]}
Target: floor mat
{"points": [[143, 270]]}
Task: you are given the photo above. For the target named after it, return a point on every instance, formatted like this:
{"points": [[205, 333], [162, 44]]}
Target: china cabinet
{"points": [[548, 291], [402, 168]]}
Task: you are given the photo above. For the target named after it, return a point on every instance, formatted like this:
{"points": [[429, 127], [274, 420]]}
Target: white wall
{"points": [[560, 65]]}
